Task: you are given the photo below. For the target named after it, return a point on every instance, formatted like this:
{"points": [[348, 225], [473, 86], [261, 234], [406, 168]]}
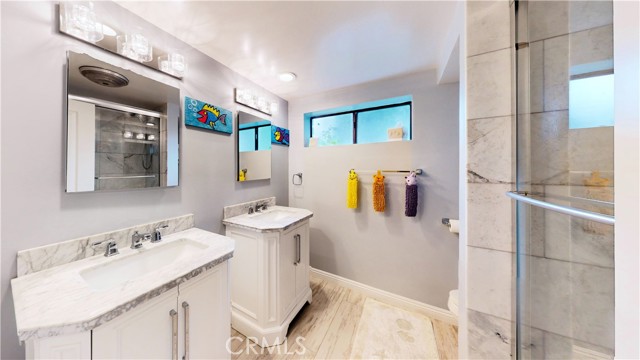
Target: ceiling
{"points": [[328, 44]]}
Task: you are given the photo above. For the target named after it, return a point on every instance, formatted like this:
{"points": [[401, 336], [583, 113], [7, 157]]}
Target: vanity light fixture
{"points": [[127, 134], [151, 124], [140, 136], [135, 47], [108, 31], [173, 64], [287, 76], [79, 20], [151, 137], [255, 101]]}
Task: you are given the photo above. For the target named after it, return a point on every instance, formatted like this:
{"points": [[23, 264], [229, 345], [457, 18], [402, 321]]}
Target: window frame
{"points": [[354, 118], [255, 135]]}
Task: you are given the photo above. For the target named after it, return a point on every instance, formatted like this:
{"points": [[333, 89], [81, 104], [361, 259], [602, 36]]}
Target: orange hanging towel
{"points": [[378, 192]]}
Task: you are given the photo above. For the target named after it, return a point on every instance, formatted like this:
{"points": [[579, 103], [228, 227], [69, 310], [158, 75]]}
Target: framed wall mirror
{"points": [[254, 147], [122, 128]]}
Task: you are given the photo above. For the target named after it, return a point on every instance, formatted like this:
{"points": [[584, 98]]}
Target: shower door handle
{"points": [[567, 210]]}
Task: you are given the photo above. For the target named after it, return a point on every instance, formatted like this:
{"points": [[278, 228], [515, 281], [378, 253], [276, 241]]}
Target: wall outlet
{"points": [[395, 134]]}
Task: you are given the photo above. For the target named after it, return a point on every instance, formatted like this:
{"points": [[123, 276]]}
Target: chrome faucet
{"points": [[157, 235], [110, 247], [261, 207], [137, 239], [250, 210]]}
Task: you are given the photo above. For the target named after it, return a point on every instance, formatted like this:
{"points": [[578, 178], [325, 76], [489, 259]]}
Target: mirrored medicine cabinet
{"points": [[122, 128], [254, 147]]}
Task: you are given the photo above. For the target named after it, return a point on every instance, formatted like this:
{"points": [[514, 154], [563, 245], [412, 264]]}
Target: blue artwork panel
{"points": [[206, 116], [279, 135]]}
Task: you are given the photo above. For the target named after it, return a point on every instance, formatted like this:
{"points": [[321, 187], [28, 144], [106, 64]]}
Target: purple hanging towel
{"points": [[411, 195]]}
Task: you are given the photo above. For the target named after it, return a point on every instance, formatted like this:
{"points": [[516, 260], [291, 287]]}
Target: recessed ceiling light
{"points": [[287, 76]]}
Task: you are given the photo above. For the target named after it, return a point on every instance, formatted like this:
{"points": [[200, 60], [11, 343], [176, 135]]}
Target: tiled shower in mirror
{"points": [[128, 150]]}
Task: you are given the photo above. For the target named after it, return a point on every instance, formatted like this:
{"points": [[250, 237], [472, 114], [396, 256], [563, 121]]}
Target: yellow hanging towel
{"points": [[378, 192], [352, 190]]}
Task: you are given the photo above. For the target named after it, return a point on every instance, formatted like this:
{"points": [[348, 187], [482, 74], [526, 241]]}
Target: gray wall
{"points": [[36, 210], [412, 257]]}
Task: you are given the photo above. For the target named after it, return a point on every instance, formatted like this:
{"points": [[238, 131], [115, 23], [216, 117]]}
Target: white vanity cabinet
{"points": [[269, 280], [190, 321]]}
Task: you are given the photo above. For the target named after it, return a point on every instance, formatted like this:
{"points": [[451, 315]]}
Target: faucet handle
{"points": [[157, 236], [111, 248]]}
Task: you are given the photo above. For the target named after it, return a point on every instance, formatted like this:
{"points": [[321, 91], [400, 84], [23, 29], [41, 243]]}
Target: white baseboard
{"points": [[430, 311]]}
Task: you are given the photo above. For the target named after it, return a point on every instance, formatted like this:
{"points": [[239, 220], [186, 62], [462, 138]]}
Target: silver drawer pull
{"points": [[297, 238], [185, 306], [174, 334]]}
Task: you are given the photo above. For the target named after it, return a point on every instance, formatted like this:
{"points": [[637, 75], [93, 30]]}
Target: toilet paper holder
{"points": [[446, 222]]}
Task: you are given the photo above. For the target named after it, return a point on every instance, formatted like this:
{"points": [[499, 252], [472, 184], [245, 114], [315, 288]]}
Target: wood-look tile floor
{"points": [[329, 325]]}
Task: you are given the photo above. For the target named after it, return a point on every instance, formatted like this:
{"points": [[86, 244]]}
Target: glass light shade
{"points": [[135, 47], [151, 137], [79, 20], [140, 136], [173, 64], [127, 134]]}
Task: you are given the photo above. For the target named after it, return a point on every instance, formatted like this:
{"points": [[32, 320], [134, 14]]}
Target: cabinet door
{"points": [[143, 333], [205, 315], [302, 269], [287, 255]]}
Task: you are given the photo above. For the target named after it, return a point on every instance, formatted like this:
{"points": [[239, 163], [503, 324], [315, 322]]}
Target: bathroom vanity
{"points": [[269, 271], [164, 300]]}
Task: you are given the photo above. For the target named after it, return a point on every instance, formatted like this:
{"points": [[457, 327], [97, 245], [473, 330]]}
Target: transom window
{"points": [[360, 124]]}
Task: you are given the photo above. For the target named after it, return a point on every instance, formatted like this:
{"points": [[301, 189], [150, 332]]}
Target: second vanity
{"points": [[163, 300], [269, 270]]}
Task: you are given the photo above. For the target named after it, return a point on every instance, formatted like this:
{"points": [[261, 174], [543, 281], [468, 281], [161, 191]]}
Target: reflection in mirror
{"points": [[122, 128], [254, 147]]}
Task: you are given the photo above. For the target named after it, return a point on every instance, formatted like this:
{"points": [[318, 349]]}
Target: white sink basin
{"points": [[275, 218], [150, 260], [273, 215]]}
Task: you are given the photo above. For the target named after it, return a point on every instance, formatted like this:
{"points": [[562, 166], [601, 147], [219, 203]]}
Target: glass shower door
{"points": [[564, 202]]}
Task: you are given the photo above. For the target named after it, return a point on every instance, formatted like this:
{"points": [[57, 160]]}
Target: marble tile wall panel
{"points": [[591, 50], [556, 73], [120, 184], [573, 300], [48, 256], [591, 149], [243, 208], [558, 347], [489, 26], [489, 337], [549, 144], [490, 214], [489, 78], [489, 149], [585, 15], [536, 77], [547, 19], [109, 164], [489, 281]]}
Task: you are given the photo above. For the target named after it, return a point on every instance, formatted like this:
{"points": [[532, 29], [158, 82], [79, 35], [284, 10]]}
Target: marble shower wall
{"points": [[490, 174], [568, 261]]}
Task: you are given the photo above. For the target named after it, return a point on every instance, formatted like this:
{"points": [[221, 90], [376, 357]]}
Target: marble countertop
{"points": [[58, 301], [274, 219]]}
